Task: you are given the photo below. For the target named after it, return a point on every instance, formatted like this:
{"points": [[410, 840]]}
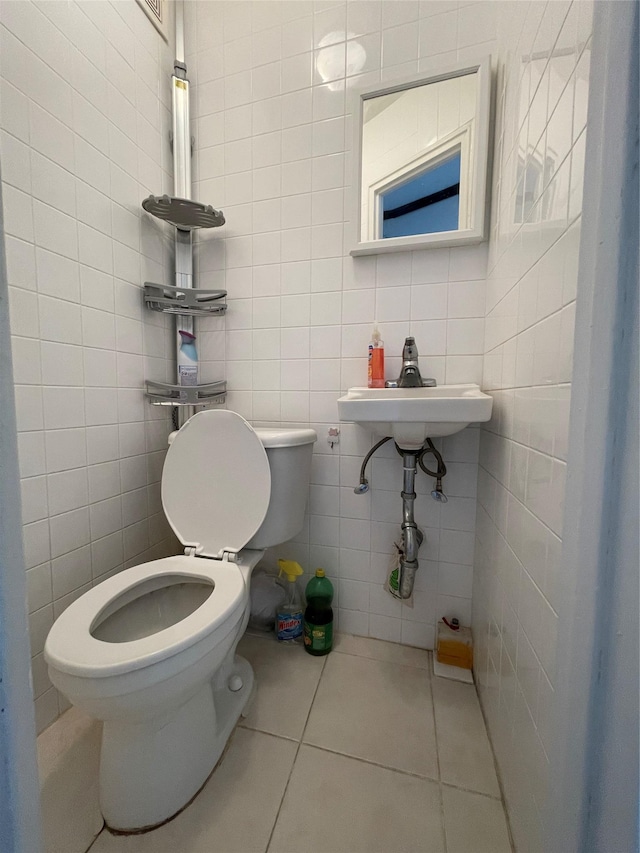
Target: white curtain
{"points": [[594, 797]]}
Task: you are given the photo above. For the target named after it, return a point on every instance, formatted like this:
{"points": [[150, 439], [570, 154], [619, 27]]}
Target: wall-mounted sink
{"points": [[411, 415]]}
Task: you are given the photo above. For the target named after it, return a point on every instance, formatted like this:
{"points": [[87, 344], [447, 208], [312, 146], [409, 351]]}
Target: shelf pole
{"points": [[182, 184]]}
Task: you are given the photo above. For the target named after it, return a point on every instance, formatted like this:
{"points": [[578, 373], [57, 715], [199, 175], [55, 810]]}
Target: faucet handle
{"points": [[410, 350]]}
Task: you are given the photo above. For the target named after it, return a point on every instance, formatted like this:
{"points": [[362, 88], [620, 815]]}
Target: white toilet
{"points": [[151, 650]]}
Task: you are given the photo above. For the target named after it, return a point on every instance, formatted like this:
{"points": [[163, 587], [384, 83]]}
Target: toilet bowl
{"points": [[151, 650]]}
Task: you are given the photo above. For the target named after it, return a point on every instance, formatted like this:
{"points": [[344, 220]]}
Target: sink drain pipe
{"points": [[412, 536]]}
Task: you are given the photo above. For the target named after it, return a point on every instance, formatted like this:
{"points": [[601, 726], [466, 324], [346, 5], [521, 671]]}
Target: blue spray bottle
{"points": [[187, 359]]}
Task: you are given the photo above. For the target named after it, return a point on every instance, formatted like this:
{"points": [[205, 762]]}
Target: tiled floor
{"points": [[360, 751]]}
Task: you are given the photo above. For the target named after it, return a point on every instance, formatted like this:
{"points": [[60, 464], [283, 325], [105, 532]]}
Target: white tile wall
{"points": [[84, 124], [272, 84], [84, 138], [543, 54]]}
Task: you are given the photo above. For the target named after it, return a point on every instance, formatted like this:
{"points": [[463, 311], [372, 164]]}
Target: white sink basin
{"points": [[411, 415]]}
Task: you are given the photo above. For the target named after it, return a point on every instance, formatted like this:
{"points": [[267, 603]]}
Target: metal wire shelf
{"points": [[183, 213], [184, 301], [162, 394]]}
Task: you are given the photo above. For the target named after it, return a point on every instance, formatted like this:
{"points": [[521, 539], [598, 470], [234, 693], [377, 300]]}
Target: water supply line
{"points": [[363, 486], [437, 494], [412, 536]]}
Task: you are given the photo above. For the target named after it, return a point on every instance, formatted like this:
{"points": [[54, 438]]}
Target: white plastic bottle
{"points": [[187, 360]]}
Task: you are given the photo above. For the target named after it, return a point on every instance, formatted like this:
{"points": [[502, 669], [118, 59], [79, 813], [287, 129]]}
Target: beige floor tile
{"points": [[68, 762], [235, 812], [463, 746], [367, 647], [374, 710], [334, 804], [474, 823], [286, 680]]}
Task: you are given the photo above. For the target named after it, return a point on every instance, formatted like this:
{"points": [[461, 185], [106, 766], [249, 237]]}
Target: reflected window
{"points": [[427, 202], [533, 175]]}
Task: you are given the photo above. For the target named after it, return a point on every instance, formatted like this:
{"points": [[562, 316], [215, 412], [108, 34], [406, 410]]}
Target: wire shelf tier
{"points": [[183, 213], [184, 301], [162, 394]]}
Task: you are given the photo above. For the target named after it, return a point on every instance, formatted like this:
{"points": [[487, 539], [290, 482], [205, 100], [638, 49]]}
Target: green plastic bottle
{"points": [[318, 617]]}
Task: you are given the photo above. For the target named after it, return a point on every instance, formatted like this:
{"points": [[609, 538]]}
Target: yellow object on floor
{"points": [[454, 648]]}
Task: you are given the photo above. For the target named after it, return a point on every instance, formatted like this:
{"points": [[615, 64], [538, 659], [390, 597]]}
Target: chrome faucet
{"points": [[410, 376]]}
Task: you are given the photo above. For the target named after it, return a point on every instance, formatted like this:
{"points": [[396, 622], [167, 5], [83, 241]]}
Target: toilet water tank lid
{"points": [[272, 437], [216, 483]]}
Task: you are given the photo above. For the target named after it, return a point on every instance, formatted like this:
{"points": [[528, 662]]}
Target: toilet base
{"points": [[150, 770]]}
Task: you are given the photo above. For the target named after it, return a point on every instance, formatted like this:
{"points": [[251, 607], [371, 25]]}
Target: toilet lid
{"points": [[216, 483]]}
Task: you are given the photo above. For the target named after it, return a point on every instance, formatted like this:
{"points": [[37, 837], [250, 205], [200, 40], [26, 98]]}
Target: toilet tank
{"points": [[289, 453]]}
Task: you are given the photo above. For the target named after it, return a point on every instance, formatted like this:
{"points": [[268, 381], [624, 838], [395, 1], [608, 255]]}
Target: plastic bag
{"points": [[392, 581], [266, 595]]}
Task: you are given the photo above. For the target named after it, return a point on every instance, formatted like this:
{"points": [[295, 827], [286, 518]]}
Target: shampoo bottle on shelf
{"points": [[375, 377], [187, 359]]}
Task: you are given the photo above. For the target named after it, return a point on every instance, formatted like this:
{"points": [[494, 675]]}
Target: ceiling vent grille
{"points": [[156, 8], [156, 11]]}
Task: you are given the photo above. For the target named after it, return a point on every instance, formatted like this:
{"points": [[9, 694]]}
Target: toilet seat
{"points": [[71, 648], [214, 515]]}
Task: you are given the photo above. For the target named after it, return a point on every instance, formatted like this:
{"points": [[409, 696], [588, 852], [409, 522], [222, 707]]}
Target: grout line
{"points": [[295, 758], [403, 772], [433, 710], [497, 770], [267, 732], [424, 669], [435, 731], [102, 829], [472, 791], [373, 763], [315, 693]]}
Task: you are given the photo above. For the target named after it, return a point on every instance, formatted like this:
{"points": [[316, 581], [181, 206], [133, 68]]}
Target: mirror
{"points": [[421, 161]]}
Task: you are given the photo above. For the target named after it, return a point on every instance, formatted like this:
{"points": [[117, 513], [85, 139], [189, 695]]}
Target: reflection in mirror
{"points": [[422, 170], [543, 177], [424, 203], [416, 146]]}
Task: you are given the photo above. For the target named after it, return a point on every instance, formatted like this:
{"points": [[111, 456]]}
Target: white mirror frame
{"points": [[476, 210]]}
